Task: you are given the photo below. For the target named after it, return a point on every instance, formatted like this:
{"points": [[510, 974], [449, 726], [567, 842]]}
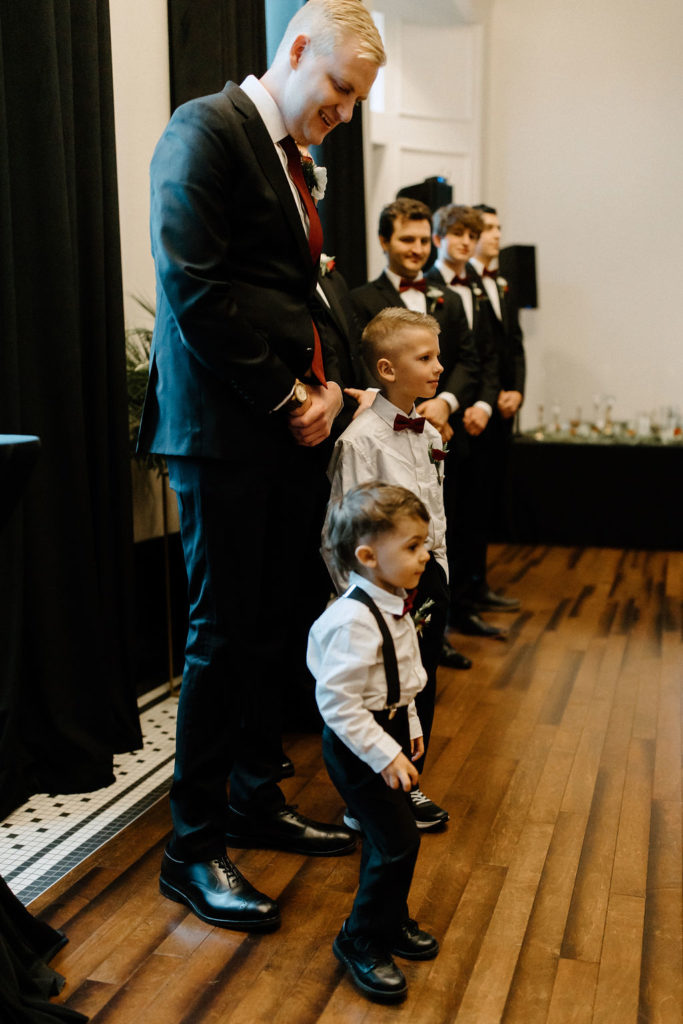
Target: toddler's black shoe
{"points": [[428, 816], [414, 944], [371, 967]]}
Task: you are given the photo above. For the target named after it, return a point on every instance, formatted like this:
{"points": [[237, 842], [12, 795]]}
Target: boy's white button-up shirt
{"points": [[345, 657], [370, 449]]}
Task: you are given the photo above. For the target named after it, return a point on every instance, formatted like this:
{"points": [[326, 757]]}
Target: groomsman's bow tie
{"points": [[414, 423], [493, 274], [460, 280], [406, 284]]}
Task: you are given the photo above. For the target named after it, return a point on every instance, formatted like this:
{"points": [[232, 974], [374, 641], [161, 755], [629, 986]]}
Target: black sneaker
{"points": [[428, 816], [371, 967]]}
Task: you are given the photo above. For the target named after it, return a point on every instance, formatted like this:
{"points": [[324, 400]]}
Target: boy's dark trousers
{"points": [[390, 836], [432, 586]]}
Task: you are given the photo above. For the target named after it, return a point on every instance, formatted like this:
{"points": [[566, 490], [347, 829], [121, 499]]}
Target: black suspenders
{"points": [[388, 649]]}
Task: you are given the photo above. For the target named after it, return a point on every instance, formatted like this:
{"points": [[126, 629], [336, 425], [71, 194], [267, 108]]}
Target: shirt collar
{"points": [[388, 602], [396, 278], [266, 106], [387, 411], [446, 272], [479, 266]]}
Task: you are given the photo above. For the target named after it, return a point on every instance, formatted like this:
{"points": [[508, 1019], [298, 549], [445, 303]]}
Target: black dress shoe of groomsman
{"points": [[492, 602], [371, 967], [218, 894], [285, 829], [412, 943], [474, 625], [450, 658]]}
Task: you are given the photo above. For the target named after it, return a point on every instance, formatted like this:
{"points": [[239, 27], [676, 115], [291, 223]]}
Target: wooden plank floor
{"points": [[555, 891]]}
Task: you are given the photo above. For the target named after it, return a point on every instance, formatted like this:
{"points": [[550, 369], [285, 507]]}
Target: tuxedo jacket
{"points": [[459, 356], [336, 319], [235, 281], [482, 329], [507, 335]]}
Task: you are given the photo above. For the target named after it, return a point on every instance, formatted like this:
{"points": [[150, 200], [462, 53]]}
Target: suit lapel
{"points": [[269, 161], [387, 290], [335, 308]]}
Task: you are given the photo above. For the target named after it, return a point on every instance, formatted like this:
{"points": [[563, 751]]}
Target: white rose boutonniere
{"points": [[314, 176], [434, 298], [422, 616], [327, 264], [503, 286]]}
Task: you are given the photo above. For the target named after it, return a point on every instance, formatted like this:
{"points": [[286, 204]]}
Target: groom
{"points": [[242, 392]]}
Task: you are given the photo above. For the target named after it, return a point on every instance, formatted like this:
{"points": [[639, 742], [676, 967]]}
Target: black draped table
{"points": [[26, 944], [595, 493]]}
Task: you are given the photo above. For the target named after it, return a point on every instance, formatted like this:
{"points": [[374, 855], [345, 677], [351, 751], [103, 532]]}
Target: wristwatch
{"points": [[298, 397]]}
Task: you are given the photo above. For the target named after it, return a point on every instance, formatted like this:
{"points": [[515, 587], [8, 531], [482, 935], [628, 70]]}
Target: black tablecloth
{"points": [[605, 495]]}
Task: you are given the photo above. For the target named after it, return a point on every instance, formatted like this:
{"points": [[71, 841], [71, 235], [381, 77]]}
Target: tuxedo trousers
{"points": [[244, 526], [391, 840]]}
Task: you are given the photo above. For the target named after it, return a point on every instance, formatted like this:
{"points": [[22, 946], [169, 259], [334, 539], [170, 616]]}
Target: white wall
{"points": [[583, 156], [139, 36]]}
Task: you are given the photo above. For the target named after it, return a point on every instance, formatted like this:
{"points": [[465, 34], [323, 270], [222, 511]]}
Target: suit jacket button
{"points": [[309, 350]]}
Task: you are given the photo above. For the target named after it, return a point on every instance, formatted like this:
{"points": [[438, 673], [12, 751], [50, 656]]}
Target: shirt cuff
{"points": [[450, 400], [485, 406]]}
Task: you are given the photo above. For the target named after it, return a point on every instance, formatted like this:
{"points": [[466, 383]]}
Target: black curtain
{"points": [[213, 41], [67, 699], [342, 211]]}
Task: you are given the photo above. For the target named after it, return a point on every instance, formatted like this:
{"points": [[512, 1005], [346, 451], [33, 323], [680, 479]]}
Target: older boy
{"points": [[391, 443]]}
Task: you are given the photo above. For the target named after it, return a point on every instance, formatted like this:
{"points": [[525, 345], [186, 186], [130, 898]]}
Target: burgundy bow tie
{"points": [[408, 603], [460, 280], [493, 274], [414, 423], [406, 284]]}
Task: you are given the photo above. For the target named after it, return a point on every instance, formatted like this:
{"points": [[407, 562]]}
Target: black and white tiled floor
{"points": [[49, 835]]}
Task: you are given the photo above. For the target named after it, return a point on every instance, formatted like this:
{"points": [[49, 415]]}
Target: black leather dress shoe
{"points": [[286, 768], [371, 968], [473, 625], [450, 658], [413, 943], [285, 829], [492, 602], [218, 894]]}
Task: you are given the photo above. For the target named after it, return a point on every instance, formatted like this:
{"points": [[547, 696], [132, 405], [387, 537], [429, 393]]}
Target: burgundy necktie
{"points": [[315, 228], [414, 423], [315, 236], [406, 284]]}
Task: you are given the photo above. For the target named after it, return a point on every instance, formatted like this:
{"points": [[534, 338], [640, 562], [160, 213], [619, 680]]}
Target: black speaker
{"points": [[518, 266], [434, 192]]}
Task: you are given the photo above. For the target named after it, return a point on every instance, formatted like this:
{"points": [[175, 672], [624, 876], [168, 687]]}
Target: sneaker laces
{"points": [[418, 797]]}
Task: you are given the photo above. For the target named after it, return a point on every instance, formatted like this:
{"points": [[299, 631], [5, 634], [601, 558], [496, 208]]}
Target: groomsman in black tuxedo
{"points": [[243, 391], [466, 485], [508, 338], [405, 235]]}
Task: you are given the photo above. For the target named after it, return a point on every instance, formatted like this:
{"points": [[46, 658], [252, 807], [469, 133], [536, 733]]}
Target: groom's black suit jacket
{"points": [[458, 357], [235, 282]]}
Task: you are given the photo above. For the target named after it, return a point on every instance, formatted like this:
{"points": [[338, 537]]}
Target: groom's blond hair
{"points": [[330, 22]]}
